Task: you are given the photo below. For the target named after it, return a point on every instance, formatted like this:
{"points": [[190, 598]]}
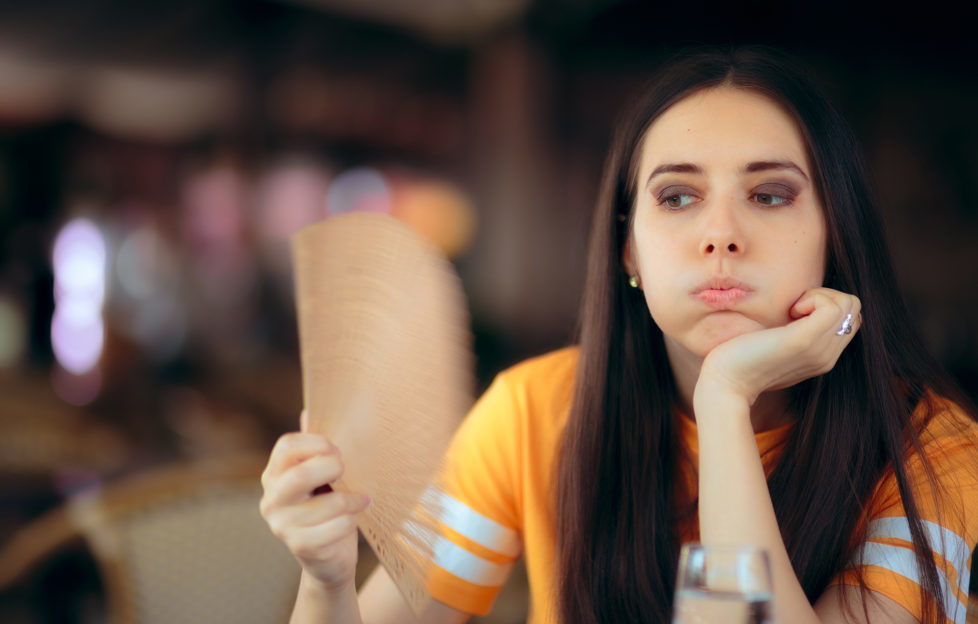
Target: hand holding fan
{"points": [[386, 372]]}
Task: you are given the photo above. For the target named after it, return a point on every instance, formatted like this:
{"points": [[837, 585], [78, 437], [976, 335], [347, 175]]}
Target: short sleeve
{"points": [[477, 510], [949, 515]]}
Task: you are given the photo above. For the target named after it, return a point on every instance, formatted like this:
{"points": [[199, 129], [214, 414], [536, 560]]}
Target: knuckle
{"points": [[319, 468], [332, 466], [266, 478], [287, 441], [275, 525], [304, 473], [301, 442]]}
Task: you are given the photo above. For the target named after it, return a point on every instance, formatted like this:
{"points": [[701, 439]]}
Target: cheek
{"points": [[811, 264], [656, 251], [804, 257], [802, 268]]}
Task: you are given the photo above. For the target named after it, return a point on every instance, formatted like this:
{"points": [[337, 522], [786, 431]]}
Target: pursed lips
{"points": [[721, 293]]}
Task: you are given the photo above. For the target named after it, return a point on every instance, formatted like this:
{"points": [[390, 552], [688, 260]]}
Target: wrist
{"points": [[714, 396], [317, 602], [331, 592]]}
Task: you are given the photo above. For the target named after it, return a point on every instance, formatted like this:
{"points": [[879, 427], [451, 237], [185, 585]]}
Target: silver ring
{"points": [[846, 326]]}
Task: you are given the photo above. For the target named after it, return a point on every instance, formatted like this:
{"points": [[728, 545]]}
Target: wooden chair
{"points": [[184, 543]]}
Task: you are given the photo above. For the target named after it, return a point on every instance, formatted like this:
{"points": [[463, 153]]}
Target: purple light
{"points": [[79, 260], [215, 200], [77, 342], [290, 198], [362, 189], [77, 331]]}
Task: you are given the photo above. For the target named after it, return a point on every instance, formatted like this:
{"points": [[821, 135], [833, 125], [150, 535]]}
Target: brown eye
{"points": [[678, 201], [767, 199]]}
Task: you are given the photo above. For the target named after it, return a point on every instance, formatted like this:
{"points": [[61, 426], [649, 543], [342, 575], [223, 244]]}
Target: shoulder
{"points": [[540, 389], [551, 372], [947, 439], [536, 392], [944, 424], [943, 439], [941, 467]]}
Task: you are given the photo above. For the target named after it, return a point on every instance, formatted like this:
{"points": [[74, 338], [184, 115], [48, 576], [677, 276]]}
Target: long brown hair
{"points": [[616, 490]]}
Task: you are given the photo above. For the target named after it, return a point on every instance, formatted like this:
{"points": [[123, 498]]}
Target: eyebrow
{"points": [[674, 168], [752, 167], [774, 165]]}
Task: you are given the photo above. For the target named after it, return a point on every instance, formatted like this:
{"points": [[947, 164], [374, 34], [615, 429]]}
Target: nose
{"points": [[722, 235]]}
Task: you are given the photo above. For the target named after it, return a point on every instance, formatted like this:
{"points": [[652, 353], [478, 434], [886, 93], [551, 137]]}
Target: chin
{"points": [[710, 337]]}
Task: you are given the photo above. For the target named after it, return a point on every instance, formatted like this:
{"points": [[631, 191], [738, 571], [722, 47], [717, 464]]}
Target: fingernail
{"points": [[366, 501]]}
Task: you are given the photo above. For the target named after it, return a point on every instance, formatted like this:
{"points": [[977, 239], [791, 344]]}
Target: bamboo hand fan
{"points": [[386, 373]]}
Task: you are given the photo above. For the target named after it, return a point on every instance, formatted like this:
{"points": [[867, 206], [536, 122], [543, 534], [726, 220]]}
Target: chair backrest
{"points": [[187, 544]]}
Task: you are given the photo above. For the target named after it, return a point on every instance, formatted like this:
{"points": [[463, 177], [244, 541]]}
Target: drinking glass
{"points": [[722, 585]]}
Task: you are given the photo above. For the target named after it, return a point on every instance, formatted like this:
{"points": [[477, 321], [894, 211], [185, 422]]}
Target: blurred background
{"points": [[156, 157]]}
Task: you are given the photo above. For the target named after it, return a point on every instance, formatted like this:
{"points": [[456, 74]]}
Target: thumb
{"points": [[304, 420], [803, 306]]}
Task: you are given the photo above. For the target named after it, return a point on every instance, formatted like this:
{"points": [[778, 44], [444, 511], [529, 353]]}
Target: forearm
{"points": [[316, 605], [734, 503]]}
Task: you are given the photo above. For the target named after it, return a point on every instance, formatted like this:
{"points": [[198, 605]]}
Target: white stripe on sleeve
{"points": [[461, 518], [903, 561], [942, 541], [460, 562]]}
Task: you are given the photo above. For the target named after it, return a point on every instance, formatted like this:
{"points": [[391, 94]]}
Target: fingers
{"points": [[321, 509], [780, 357], [298, 482], [292, 449], [803, 306], [831, 321], [319, 529], [333, 513], [828, 309], [299, 464]]}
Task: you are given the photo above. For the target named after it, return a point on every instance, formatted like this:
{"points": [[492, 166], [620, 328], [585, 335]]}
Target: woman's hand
{"points": [[780, 357], [319, 528]]}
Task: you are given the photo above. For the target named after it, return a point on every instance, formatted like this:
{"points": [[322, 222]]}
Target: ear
{"points": [[627, 259]]}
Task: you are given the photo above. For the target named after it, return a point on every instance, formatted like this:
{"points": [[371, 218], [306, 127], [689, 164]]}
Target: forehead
{"points": [[723, 126]]}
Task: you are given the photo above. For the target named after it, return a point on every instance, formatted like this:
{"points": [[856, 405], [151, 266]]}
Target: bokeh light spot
{"points": [[363, 189], [440, 211], [77, 342], [79, 259], [77, 330]]}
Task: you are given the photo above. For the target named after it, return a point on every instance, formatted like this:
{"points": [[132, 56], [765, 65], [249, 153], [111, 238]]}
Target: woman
{"points": [[746, 374]]}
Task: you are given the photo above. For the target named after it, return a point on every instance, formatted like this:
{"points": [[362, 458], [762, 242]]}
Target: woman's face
{"points": [[727, 230]]}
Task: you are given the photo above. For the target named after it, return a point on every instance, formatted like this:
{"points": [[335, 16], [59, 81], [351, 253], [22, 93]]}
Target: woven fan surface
{"points": [[387, 373]]}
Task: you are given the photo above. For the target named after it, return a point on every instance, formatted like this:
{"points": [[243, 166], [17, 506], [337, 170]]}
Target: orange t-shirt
{"points": [[497, 498]]}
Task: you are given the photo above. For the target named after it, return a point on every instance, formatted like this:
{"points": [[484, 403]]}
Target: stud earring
{"points": [[633, 281]]}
